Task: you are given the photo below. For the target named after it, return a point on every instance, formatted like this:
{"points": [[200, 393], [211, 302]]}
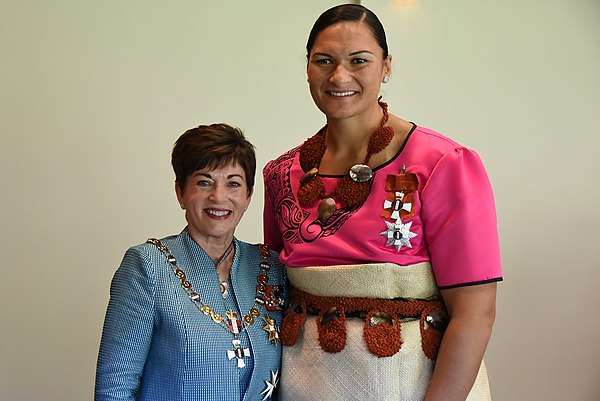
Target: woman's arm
{"points": [[472, 310], [127, 333]]}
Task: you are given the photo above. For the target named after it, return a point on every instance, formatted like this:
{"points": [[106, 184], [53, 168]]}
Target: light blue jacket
{"points": [[158, 346]]}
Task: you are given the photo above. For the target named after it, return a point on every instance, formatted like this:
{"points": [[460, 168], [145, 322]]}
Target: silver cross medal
{"points": [[238, 352]]}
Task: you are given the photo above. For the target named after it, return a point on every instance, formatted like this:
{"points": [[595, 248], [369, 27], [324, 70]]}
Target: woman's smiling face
{"points": [[345, 70], [215, 201]]}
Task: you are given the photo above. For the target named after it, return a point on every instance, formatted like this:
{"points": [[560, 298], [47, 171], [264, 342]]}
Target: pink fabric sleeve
{"points": [[459, 219]]}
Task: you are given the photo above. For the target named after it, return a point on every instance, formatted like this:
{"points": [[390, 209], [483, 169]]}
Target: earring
{"points": [[181, 206], [386, 79]]}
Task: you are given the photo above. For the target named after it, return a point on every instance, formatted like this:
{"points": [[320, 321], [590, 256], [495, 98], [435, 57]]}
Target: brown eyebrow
{"points": [[351, 54], [207, 175], [322, 54], [361, 51]]}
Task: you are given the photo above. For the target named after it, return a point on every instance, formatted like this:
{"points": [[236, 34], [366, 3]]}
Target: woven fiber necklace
{"points": [[353, 189], [230, 321]]}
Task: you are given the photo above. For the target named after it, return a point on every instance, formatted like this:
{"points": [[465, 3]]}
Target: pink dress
{"points": [[447, 218]]}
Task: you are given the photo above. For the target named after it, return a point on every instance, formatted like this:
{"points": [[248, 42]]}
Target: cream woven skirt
{"points": [[309, 373]]}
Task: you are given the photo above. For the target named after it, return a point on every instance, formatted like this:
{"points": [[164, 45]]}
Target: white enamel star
{"points": [[271, 386], [398, 234]]}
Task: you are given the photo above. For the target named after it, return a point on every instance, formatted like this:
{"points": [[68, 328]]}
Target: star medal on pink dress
{"points": [[271, 385], [238, 352], [399, 204], [398, 234]]}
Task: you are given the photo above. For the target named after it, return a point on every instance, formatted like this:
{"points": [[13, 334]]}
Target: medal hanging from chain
{"points": [[269, 297]]}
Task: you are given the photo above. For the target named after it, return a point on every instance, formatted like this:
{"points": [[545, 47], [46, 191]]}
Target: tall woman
{"points": [[195, 316], [389, 233]]}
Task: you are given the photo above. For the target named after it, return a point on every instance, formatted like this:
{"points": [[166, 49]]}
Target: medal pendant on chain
{"points": [[238, 353], [233, 323], [267, 296]]}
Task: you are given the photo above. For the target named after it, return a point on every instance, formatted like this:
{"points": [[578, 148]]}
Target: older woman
{"points": [[389, 233], [195, 316]]}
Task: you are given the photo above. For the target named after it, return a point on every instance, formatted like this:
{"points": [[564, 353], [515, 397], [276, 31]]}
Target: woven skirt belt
{"points": [[382, 327]]}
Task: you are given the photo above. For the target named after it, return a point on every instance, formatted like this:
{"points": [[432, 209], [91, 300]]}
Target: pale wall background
{"points": [[94, 93]]}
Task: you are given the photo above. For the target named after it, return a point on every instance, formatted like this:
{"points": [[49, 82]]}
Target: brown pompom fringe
{"points": [[381, 139], [310, 191], [291, 326], [431, 338], [382, 339], [352, 193], [312, 150], [332, 334]]}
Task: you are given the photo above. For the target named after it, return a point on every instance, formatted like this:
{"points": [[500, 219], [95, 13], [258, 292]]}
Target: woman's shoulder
{"points": [[285, 159], [433, 139], [152, 244], [430, 146], [149, 252]]}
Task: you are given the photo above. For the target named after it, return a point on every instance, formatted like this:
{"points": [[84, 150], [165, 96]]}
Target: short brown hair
{"points": [[212, 146]]}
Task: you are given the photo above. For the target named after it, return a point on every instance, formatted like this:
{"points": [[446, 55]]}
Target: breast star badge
{"points": [[271, 386], [271, 328], [398, 234]]}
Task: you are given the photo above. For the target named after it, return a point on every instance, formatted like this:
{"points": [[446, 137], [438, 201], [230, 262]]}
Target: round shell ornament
{"points": [[381, 318], [361, 173], [436, 320], [309, 176], [326, 208]]}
